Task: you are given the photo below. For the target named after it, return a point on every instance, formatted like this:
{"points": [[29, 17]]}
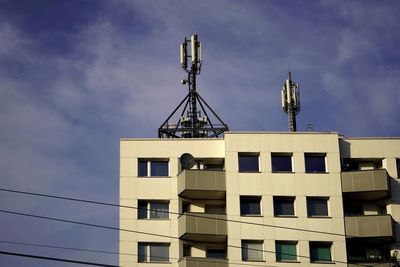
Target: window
{"points": [[187, 250], [398, 167], [151, 168], [153, 209], [153, 252], [216, 253], [281, 162], [317, 206], [315, 163], [286, 250], [252, 250], [248, 162], [250, 205], [320, 251], [284, 206]]}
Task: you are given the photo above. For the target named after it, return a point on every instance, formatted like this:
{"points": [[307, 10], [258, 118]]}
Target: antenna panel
{"points": [[183, 54], [283, 98]]}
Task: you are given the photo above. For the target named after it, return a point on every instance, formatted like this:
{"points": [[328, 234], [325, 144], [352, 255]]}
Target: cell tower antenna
{"points": [[194, 120], [291, 101]]}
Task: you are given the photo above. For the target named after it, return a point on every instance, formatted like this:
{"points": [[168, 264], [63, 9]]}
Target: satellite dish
{"points": [[187, 161]]}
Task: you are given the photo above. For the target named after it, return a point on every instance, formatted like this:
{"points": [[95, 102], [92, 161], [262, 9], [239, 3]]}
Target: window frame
{"points": [[312, 198], [282, 154], [322, 244], [147, 258], [279, 199], [249, 155], [261, 250], [149, 167], [286, 242], [149, 210], [257, 199], [315, 155]]}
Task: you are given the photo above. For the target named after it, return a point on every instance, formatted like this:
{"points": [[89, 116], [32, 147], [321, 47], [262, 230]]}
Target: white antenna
{"points": [[290, 97]]}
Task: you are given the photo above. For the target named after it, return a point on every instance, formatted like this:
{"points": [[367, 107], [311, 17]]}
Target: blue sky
{"points": [[75, 76]]}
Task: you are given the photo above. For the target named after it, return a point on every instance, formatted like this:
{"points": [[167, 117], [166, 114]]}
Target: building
{"points": [[260, 199]]}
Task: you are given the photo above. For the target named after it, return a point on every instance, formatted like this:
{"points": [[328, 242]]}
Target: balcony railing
{"points": [[202, 184], [369, 226], [366, 185], [202, 262], [203, 227]]}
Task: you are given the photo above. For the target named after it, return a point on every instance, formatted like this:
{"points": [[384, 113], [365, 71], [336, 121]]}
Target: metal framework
{"points": [[291, 101], [194, 121]]}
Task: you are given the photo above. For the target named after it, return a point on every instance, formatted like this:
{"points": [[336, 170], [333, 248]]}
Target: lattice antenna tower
{"points": [[194, 120], [291, 101]]}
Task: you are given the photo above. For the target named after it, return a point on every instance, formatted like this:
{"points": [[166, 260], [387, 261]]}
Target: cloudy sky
{"points": [[77, 75]]}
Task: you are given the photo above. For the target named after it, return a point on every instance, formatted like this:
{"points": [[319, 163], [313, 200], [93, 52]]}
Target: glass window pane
{"points": [[159, 210], [142, 209], [159, 168], [216, 253], [320, 251], [281, 163], [315, 163], [248, 163], [142, 168], [252, 251], [159, 252], [283, 206], [142, 252], [250, 205], [317, 207], [286, 251]]}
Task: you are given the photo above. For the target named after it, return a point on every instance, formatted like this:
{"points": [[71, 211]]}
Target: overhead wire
{"points": [[56, 259], [170, 212], [137, 232], [212, 260]]}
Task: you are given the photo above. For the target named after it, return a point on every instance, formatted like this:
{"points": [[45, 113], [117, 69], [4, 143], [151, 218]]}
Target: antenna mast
{"points": [[291, 101], [194, 121]]}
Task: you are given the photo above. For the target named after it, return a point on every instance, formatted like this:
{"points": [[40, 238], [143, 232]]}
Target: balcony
{"points": [[201, 184], [202, 262], [366, 185], [203, 227], [369, 226]]}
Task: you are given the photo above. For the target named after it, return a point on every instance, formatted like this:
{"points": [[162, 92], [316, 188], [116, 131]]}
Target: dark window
{"points": [[187, 250], [252, 250], [142, 252], [142, 209], [153, 252], [320, 251], [159, 252], [281, 162], [159, 168], [153, 209], [248, 163], [284, 206], [185, 207], [317, 206], [398, 167], [353, 209], [216, 253], [250, 205], [315, 163], [286, 251], [142, 168]]}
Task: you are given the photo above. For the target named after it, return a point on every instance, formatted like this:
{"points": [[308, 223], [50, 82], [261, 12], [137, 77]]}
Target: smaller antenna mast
{"points": [[291, 101]]}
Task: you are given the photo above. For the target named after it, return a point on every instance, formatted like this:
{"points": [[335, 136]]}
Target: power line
{"points": [[120, 253], [56, 259], [171, 212], [134, 231]]}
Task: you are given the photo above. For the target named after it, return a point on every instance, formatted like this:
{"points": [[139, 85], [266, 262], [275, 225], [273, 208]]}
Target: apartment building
{"points": [[260, 199]]}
